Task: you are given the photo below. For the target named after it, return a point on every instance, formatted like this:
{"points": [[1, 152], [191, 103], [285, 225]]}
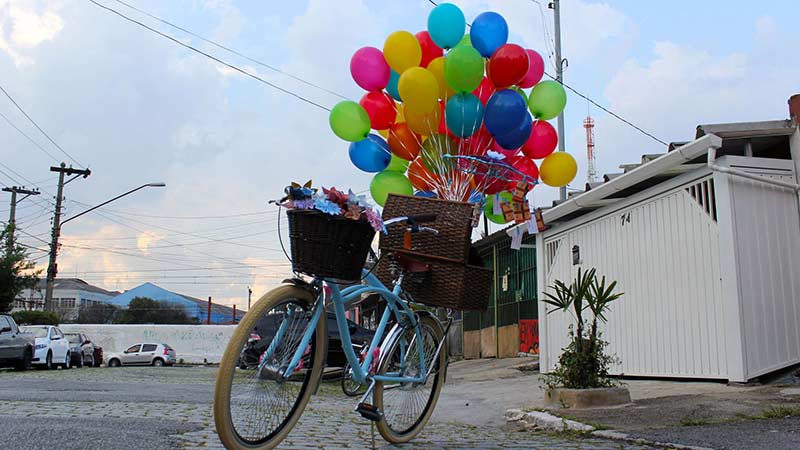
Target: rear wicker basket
{"points": [[327, 246], [453, 221], [446, 283]]}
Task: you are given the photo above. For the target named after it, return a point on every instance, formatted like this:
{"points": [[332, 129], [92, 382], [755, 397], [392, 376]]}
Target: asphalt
{"points": [[81, 433], [749, 435]]}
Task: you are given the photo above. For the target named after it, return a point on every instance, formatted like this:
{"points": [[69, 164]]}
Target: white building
{"points": [[705, 243], [69, 295]]}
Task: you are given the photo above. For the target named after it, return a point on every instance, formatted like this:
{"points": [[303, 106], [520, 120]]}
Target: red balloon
{"points": [[484, 90], [542, 141], [508, 65], [477, 144], [430, 50], [495, 147], [380, 108], [490, 186], [524, 165], [535, 69]]}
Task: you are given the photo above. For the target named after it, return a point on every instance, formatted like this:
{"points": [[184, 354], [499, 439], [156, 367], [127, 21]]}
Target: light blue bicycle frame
{"points": [[396, 306]]}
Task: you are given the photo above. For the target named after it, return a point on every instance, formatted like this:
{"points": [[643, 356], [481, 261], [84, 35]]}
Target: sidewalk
{"points": [[703, 414]]}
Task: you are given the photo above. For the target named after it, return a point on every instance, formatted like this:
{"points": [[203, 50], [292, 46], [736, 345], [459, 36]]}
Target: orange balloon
{"points": [[404, 142], [423, 124], [421, 178]]}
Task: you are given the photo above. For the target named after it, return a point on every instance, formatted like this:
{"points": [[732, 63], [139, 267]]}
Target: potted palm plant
{"points": [[580, 379]]}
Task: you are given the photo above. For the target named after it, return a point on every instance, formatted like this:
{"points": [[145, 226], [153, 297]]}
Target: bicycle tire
{"points": [[349, 386], [223, 416], [389, 430]]}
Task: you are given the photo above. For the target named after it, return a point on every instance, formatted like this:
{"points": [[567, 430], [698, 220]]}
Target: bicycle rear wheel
{"points": [[256, 408], [408, 406]]}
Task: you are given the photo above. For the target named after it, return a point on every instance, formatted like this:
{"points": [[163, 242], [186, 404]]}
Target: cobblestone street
{"points": [[161, 408]]}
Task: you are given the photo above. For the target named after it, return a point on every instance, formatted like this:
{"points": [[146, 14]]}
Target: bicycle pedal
{"points": [[369, 412]]}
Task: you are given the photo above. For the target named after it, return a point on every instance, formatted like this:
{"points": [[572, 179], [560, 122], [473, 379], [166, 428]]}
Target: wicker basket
{"points": [[447, 283], [327, 246], [453, 221]]}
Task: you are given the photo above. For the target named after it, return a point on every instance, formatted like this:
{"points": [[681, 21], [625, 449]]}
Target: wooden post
{"points": [[234, 313], [208, 317]]}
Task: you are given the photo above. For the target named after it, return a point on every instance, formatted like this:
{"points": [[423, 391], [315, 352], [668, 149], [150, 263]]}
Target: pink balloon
{"points": [[369, 69], [535, 70], [542, 141]]}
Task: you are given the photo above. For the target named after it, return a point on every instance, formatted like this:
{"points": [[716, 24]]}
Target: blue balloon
{"points": [[505, 111], [446, 25], [371, 154], [463, 114], [489, 31], [391, 88], [426, 194], [517, 137]]}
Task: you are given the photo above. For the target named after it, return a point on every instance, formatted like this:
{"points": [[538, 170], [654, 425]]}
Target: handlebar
{"points": [[414, 221]]}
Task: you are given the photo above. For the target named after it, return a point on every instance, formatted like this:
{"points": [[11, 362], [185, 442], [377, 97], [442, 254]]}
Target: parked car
{"points": [[148, 354], [51, 349], [82, 350], [268, 326], [16, 348]]}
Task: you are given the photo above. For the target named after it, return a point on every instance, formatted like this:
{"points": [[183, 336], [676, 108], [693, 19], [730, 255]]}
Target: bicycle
{"points": [[257, 407], [351, 387]]}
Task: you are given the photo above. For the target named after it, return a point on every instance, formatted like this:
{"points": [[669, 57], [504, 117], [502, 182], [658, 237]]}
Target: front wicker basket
{"points": [[327, 246]]}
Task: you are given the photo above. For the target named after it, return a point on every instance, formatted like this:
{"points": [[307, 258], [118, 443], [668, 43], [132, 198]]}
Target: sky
{"points": [[137, 108]]}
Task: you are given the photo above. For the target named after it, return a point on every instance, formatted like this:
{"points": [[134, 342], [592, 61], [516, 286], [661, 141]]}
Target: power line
{"points": [[585, 97], [38, 127], [228, 49], [207, 55], [28, 137]]}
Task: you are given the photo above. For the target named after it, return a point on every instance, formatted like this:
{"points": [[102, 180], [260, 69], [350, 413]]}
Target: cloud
{"points": [[23, 28]]}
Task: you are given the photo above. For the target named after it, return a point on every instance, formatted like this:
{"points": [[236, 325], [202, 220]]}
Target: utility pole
{"points": [[208, 318], [52, 268], [555, 5], [14, 190], [249, 294]]}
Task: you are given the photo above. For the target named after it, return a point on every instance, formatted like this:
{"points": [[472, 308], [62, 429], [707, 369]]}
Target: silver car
{"points": [[145, 354]]}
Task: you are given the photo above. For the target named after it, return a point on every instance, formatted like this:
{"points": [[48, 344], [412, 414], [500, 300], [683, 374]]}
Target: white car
{"points": [[51, 349], [147, 354]]}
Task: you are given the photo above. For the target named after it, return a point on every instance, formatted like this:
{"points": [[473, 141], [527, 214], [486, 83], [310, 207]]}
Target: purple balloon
{"points": [[369, 69], [517, 137], [505, 111]]}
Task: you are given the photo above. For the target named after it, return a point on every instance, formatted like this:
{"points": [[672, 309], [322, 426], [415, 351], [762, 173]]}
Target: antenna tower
{"points": [[591, 172]]}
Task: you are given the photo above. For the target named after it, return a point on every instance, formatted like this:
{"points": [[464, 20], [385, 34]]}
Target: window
{"points": [[55, 332], [39, 332], [4, 323], [133, 349], [149, 348], [67, 303]]}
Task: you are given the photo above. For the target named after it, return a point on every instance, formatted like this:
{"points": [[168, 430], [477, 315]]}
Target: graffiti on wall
{"points": [[529, 336]]}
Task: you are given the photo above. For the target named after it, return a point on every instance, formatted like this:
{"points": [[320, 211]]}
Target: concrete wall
{"points": [[192, 343], [508, 341]]}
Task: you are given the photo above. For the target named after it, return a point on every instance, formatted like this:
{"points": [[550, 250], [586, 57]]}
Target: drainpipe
{"points": [[712, 157], [496, 329]]}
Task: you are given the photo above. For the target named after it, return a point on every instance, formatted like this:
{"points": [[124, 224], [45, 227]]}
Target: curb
{"points": [[544, 421]]}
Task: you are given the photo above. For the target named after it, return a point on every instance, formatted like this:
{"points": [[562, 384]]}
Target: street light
{"points": [[52, 268]]}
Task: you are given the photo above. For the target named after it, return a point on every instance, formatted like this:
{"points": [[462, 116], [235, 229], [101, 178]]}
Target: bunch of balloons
{"points": [[440, 94]]}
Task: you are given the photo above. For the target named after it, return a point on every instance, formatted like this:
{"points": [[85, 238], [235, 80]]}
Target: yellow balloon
{"points": [[402, 51], [401, 112], [419, 90], [424, 124], [384, 133], [558, 169], [437, 69]]}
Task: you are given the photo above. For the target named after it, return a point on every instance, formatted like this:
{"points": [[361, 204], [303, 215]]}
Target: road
{"points": [[147, 408]]}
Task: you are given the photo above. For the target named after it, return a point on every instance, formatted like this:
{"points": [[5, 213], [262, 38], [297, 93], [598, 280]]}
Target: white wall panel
{"points": [[664, 253]]}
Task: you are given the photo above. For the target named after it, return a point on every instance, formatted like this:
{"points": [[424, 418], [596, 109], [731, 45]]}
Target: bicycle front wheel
{"points": [[350, 387], [408, 406], [255, 408]]}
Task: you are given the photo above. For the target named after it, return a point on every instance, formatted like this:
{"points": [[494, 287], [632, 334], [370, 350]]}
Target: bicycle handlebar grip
{"points": [[422, 218]]}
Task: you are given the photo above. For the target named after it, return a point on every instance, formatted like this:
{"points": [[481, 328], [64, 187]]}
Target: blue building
{"points": [[194, 307]]}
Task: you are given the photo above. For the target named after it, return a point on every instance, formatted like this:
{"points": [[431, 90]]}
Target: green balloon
{"points": [[547, 100], [521, 92], [389, 182], [465, 40], [349, 121], [488, 208], [433, 150], [398, 164], [463, 68]]}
